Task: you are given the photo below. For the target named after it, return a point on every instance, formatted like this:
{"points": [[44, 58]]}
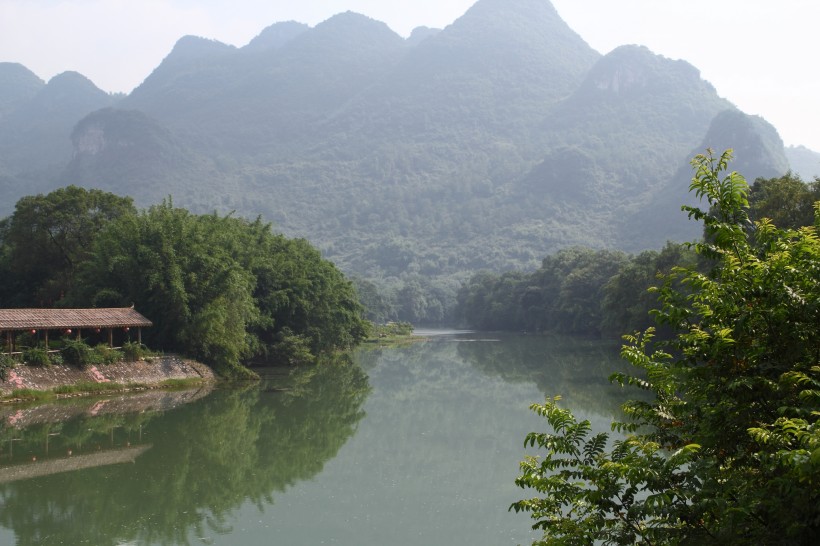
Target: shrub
{"points": [[77, 353], [133, 351], [36, 356], [106, 355], [6, 363]]}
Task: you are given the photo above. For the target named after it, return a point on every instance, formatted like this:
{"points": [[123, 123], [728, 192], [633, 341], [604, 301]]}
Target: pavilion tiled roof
{"points": [[45, 319]]}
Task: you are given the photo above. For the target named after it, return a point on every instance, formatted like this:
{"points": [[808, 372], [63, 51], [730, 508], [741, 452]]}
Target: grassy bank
{"points": [[92, 388]]}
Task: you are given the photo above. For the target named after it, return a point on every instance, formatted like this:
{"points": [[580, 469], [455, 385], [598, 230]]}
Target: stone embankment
{"points": [[149, 372]]}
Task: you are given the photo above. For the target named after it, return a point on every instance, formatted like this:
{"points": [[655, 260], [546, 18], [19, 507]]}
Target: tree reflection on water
{"points": [[197, 464]]}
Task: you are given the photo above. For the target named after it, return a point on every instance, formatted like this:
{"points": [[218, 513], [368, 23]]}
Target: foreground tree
{"points": [[727, 450]]}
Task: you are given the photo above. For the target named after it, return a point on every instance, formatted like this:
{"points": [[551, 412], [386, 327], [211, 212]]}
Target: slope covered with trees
{"points": [[219, 288], [488, 144], [580, 290]]}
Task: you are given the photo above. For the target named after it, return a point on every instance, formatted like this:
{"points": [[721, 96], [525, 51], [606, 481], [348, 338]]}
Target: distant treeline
{"points": [[575, 291], [222, 289], [603, 292]]}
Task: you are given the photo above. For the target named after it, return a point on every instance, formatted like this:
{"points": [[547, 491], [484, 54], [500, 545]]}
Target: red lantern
{"points": [[68, 330], [126, 329], [33, 331]]}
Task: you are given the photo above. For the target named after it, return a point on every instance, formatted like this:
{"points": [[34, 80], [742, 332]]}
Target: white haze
{"points": [[759, 54]]}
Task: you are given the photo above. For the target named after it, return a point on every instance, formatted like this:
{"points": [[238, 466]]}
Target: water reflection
{"points": [[295, 460], [197, 463], [576, 368]]}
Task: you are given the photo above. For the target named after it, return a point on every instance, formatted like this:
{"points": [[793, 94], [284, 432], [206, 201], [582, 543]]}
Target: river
{"points": [[402, 446]]}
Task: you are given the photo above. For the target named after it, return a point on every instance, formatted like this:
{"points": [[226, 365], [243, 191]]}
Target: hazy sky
{"points": [[760, 54]]}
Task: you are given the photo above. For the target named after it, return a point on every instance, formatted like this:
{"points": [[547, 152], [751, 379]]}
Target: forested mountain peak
{"points": [[515, 32], [540, 11], [500, 67], [192, 48], [181, 73], [634, 69], [71, 88], [758, 148], [758, 152], [34, 135], [635, 91], [419, 34], [276, 35], [347, 34], [17, 85]]}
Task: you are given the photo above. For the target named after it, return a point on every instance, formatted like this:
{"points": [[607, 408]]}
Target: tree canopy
{"points": [[219, 288], [727, 450]]}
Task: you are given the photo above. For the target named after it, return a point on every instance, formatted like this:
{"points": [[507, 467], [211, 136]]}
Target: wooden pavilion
{"points": [[68, 321]]}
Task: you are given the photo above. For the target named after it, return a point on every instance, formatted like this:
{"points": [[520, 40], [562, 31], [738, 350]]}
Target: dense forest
{"points": [[410, 163], [219, 288], [604, 292]]}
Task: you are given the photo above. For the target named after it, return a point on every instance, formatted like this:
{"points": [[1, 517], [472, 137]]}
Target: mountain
{"points": [[275, 36], [18, 85], [412, 162], [758, 153], [616, 141], [127, 152], [34, 136], [804, 162]]}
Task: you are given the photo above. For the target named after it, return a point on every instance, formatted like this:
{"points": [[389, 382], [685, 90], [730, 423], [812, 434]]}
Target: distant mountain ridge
{"points": [[484, 145]]}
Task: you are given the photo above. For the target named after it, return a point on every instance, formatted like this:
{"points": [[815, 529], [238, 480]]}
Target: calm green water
{"points": [[416, 446]]}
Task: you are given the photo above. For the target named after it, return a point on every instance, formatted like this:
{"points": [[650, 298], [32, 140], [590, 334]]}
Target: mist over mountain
{"points": [[18, 85], [484, 145], [804, 162]]}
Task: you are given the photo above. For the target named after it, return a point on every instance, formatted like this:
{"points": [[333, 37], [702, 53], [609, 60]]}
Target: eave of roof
{"points": [[55, 319]]}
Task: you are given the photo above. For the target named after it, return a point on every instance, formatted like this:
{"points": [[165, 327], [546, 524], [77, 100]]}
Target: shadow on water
{"points": [[188, 468]]}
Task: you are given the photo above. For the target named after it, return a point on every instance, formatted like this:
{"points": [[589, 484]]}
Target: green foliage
{"points": [[56, 359], [46, 240], [93, 386], [77, 353], [221, 289], [104, 354], [7, 362], [36, 356], [727, 450], [576, 290], [590, 496], [133, 351], [787, 201]]}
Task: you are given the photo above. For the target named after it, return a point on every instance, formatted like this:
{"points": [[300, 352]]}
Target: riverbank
{"points": [[121, 376]]}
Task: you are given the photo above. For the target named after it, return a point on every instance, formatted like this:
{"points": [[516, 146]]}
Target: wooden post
{"points": [[111, 337], [8, 339], [139, 335], [79, 334], [46, 334]]}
